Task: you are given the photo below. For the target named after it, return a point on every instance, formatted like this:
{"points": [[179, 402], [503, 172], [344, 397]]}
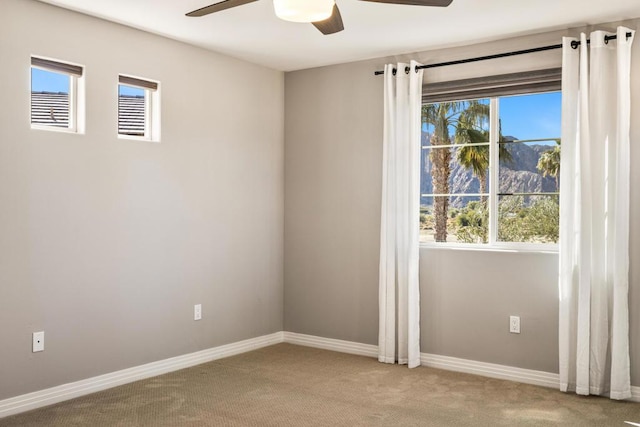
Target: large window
{"points": [[490, 170], [55, 100]]}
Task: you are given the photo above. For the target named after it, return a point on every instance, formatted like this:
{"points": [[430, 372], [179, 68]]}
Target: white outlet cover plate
{"points": [[38, 341], [197, 312], [514, 324]]}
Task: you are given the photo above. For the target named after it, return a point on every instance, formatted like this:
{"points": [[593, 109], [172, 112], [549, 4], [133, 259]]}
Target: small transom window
{"points": [[138, 108], [54, 94]]}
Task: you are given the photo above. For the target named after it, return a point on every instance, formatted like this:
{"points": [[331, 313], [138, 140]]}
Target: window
{"points": [[55, 100], [490, 169], [138, 109]]}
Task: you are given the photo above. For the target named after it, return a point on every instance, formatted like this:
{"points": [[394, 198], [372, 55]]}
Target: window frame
{"points": [[151, 90], [493, 196], [75, 73]]}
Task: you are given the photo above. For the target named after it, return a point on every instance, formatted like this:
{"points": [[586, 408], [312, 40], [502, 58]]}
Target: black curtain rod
{"points": [[574, 45]]}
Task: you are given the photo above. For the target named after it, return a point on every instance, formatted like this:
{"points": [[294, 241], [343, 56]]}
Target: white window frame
{"points": [[75, 97], [493, 196], [151, 108]]}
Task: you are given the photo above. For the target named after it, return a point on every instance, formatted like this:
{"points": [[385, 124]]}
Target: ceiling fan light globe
{"points": [[303, 10]]}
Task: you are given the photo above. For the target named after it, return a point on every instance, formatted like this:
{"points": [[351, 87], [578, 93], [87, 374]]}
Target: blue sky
{"points": [[47, 81], [531, 116], [528, 117], [128, 90]]}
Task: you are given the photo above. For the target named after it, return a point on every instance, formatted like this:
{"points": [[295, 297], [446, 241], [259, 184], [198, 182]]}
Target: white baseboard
{"points": [[491, 370], [431, 360], [63, 392], [331, 344]]}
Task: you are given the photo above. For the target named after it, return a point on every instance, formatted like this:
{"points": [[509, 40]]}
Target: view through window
{"points": [[132, 111], [54, 87], [138, 108], [490, 170], [49, 98]]}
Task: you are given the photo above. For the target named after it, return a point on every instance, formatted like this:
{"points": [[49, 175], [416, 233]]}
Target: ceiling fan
{"points": [[323, 14]]}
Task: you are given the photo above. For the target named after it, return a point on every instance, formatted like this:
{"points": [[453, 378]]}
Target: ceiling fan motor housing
{"points": [[303, 10]]}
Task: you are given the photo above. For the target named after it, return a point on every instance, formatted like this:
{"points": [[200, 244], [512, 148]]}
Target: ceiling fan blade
{"points": [[439, 3], [331, 25], [217, 7]]}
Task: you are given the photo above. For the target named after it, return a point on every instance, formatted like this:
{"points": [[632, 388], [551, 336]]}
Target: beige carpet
{"points": [[287, 385]]}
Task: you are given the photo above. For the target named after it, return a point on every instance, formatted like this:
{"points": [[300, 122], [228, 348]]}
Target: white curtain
{"points": [[594, 216], [399, 299]]}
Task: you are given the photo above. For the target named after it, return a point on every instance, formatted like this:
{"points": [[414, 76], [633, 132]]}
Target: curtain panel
{"points": [[594, 216], [399, 298]]}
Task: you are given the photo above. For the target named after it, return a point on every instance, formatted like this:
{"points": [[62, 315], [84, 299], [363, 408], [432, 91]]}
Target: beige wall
{"points": [[333, 157], [107, 244]]}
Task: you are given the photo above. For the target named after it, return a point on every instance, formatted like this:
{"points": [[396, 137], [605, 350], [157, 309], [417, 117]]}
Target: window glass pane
{"points": [[529, 167], [531, 116], [455, 156], [50, 98], [529, 143], [131, 110], [466, 219], [467, 169], [456, 122], [531, 219]]}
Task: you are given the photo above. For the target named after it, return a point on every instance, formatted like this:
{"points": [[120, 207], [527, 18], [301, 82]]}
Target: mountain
{"points": [[519, 175]]}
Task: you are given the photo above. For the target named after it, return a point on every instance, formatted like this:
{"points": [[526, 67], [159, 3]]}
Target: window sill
{"points": [[510, 248], [56, 129], [137, 138]]}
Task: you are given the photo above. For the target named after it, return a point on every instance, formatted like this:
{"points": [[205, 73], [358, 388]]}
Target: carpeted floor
{"points": [[287, 385]]}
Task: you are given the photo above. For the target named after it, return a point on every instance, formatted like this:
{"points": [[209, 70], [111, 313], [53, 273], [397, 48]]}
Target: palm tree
{"points": [[476, 157], [549, 163], [470, 131], [465, 117], [468, 119], [441, 116]]}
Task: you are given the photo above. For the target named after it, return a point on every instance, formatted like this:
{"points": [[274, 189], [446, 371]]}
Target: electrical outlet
{"points": [[197, 312], [514, 324], [38, 341]]}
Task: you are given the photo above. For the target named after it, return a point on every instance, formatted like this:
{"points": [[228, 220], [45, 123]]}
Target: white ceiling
{"points": [[253, 33]]}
